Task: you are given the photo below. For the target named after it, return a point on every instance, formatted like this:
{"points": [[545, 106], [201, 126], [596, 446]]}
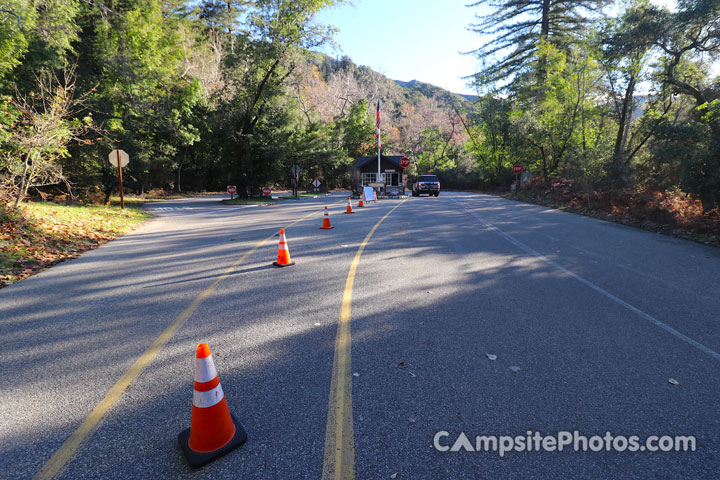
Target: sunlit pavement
{"points": [[470, 314]]}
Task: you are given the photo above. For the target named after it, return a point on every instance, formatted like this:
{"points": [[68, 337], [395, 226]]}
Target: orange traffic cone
{"points": [[213, 431], [326, 222], [349, 207], [361, 204], [375, 195], [283, 252]]}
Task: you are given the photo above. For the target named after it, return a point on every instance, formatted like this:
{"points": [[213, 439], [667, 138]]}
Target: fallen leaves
{"points": [[39, 235], [671, 213]]}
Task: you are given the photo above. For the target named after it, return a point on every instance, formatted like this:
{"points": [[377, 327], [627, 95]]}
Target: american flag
{"points": [[377, 124]]}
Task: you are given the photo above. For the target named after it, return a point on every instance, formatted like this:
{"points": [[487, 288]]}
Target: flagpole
{"points": [[378, 138]]}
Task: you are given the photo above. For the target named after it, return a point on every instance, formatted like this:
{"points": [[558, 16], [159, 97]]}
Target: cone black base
{"points": [[283, 265], [326, 228], [198, 459]]}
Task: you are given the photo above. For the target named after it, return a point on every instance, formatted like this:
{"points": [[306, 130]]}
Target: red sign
{"points": [[517, 168], [266, 191], [404, 162], [231, 189]]}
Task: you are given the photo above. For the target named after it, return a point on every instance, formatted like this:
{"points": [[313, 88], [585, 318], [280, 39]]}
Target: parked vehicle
{"points": [[426, 184]]}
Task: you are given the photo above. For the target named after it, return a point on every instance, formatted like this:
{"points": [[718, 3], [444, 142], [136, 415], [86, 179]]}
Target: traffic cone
{"points": [[375, 195], [361, 204], [283, 252], [213, 431], [326, 222], [349, 207]]}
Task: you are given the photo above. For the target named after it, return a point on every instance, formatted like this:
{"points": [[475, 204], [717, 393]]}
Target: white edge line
{"points": [[598, 289]]}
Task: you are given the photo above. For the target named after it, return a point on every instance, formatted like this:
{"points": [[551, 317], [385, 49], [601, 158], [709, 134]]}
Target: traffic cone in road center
{"points": [[360, 203], [349, 207], [213, 431], [326, 222], [283, 252]]}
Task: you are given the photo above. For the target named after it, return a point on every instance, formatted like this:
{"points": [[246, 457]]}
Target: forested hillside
{"points": [[202, 94]]}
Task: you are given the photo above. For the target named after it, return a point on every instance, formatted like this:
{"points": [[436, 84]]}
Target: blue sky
{"points": [[413, 39], [408, 39]]}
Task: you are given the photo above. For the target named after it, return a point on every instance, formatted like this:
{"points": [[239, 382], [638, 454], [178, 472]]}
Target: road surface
{"points": [[408, 325]]}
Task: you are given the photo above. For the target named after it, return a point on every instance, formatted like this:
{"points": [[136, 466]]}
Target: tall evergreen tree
{"points": [[515, 29]]}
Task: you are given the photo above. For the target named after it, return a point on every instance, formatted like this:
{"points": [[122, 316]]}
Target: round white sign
{"points": [[113, 158]]}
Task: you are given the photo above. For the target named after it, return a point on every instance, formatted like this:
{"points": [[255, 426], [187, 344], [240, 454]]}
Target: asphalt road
{"points": [[469, 313]]}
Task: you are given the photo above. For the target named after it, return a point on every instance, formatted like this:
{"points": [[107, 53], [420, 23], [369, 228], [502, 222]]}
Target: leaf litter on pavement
{"points": [[36, 236]]}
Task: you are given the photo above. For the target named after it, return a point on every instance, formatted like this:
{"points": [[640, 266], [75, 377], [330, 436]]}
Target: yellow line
{"points": [[339, 458], [68, 449]]}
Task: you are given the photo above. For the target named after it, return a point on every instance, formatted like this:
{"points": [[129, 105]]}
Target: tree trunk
{"points": [[544, 163], [618, 165], [23, 181], [544, 37], [178, 186]]}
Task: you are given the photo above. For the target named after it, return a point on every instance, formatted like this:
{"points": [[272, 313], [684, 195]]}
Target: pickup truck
{"points": [[426, 184]]}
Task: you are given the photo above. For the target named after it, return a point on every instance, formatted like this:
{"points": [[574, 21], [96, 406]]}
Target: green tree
{"points": [[516, 29], [551, 125], [357, 130], [277, 33], [686, 36], [493, 133], [133, 52], [626, 42]]}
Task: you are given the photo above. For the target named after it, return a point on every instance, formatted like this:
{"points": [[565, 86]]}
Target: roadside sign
{"points": [[118, 158], [113, 158], [404, 162], [296, 169], [368, 195], [316, 182], [517, 168], [266, 191], [231, 189]]}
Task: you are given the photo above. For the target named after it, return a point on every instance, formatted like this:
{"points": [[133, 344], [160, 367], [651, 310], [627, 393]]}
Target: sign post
{"points": [[266, 191], [404, 163], [296, 177], [120, 158], [231, 189], [517, 169]]}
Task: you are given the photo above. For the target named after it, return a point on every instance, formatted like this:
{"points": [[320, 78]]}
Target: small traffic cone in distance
{"points": [[349, 207], [375, 195], [283, 259], [360, 203], [326, 221], [213, 431]]}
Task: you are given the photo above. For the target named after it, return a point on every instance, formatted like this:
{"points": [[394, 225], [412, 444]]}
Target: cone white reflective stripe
{"points": [[205, 369], [209, 398], [283, 241]]}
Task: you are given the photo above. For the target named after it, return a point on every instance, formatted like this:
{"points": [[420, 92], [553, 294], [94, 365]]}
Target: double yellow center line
{"points": [[339, 460]]}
